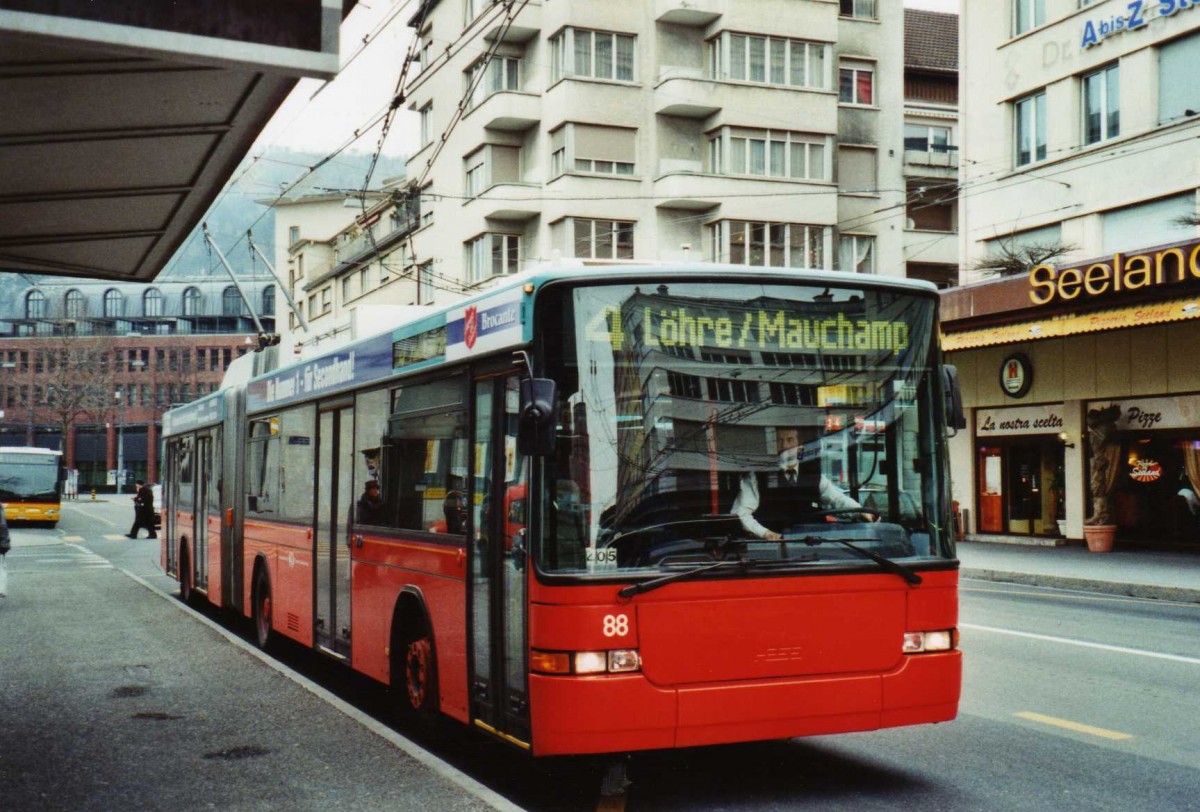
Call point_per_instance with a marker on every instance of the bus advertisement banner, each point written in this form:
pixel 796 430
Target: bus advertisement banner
pixel 487 325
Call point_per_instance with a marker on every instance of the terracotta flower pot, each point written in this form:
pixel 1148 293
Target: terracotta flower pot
pixel 1100 537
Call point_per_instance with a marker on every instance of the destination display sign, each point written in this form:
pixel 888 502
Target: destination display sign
pixel 368 361
pixel 768 329
pixel 206 411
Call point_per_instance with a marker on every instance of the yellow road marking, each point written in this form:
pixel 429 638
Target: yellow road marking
pixel 1078 727
pixel 74 538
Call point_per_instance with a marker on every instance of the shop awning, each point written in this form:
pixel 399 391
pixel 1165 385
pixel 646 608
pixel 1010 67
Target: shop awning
pixel 1068 324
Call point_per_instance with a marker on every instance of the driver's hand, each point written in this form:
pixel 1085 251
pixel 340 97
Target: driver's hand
pixel 771 535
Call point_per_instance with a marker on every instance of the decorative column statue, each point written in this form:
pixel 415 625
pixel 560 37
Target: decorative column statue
pixel 1105 457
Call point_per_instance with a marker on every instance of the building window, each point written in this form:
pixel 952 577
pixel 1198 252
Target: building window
pixel 925 138
pixel 1028 14
pixel 1101 105
pixel 1156 222
pixel 576 52
pixel 114 304
pixel 491 255
pixel 475 8
pixel 192 303
pixel 35 305
pixel 856 82
pixel 769 60
pixel 593 149
pixel 152 303
pixel 856 253
pixel 489 165
pixel 268 300
pixel 496 75
pixel 771 153
pixel 858 170
pixel 931 206
pixel 603 239
pixel 326 299
pixel 231 302
pixel 772 245
pixel 76 305
pixel 425 283
pixel 427 124
pixel 293 235
pixel 1178 97
pixel 1031 128
pixel 347 293
pixel 859 9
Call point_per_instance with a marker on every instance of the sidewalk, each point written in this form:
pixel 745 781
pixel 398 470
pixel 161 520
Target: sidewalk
pixel 1142 574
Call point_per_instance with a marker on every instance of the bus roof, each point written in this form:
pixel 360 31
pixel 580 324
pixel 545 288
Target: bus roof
pixel 27 449
pixel 500 321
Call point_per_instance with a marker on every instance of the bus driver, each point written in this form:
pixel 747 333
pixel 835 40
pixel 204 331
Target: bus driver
pixel 782 497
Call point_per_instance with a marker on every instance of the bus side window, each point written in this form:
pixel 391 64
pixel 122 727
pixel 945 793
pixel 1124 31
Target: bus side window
pixel 427 455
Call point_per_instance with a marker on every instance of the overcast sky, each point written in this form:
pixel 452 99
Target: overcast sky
pixel 321 117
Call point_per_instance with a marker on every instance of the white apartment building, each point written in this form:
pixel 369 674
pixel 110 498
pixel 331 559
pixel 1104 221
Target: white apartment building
pixel 764 132
pixel 1079 168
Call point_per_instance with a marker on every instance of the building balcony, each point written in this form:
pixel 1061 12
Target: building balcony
pixel 687 93
pixel 688 12
pixel 525 27
pixel 933 247
pixel 942 161
pixel 681 185
pixel 510 111
pixel 814 21
pixel 510 201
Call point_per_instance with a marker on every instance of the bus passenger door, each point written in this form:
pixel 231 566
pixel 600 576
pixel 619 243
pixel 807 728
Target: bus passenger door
pixel 201 476
pixel 498 549
pixel 335 496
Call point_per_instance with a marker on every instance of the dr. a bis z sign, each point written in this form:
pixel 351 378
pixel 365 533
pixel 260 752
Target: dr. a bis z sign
pixel 1138 14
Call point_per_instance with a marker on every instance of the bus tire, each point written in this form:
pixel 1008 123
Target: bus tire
pixel 263 634
pixel 414 667
pixel 185 576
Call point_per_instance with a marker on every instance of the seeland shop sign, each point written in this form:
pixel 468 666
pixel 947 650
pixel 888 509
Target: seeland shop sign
pixel 1123 273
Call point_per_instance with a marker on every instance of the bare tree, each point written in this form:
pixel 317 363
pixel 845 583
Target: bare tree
pixel 78 380
pixel 1014 258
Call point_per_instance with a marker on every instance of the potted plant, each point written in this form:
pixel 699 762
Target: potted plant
pixel 1098 529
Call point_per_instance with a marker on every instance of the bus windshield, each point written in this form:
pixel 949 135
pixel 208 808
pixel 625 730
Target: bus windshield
pixel 26 477
pixel 772 423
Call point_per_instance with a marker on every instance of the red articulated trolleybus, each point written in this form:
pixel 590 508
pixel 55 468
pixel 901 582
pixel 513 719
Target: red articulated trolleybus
pixel 620 508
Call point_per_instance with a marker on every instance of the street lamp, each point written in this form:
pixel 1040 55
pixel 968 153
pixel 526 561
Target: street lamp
pixel 120 440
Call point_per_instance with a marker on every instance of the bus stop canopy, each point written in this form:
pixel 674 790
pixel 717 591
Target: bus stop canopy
pixel 121 122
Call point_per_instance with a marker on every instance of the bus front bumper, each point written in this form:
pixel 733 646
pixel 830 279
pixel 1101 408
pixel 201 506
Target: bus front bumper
pixel 621 713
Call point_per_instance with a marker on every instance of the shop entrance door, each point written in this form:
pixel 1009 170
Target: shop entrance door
pixel 991 490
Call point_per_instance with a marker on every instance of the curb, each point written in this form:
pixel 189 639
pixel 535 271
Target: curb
pixel 1150 591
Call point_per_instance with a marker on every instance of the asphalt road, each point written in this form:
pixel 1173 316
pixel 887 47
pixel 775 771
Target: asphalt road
pixel 1071 701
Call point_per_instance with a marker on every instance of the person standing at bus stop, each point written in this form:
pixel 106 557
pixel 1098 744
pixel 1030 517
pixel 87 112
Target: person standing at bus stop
pixel 5 546
pixel 143 511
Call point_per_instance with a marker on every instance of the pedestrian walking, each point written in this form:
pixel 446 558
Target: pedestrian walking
pixel 143 511
pixel 5 546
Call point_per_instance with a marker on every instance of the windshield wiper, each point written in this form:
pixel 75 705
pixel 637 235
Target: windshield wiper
pixel 888 564
pixel 646 586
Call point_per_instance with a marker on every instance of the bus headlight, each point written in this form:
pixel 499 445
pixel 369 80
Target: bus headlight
pixel 585 662
pixel 922 642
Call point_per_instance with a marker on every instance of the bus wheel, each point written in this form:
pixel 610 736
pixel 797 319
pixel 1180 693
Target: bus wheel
pixel 262 609
pixel 185 576
pixel 418 669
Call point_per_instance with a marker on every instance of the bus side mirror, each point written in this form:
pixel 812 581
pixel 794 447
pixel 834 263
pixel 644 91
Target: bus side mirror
pixel 535 436
pixel 956 418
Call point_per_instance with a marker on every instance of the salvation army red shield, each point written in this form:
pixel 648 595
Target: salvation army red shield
pixel 470 326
